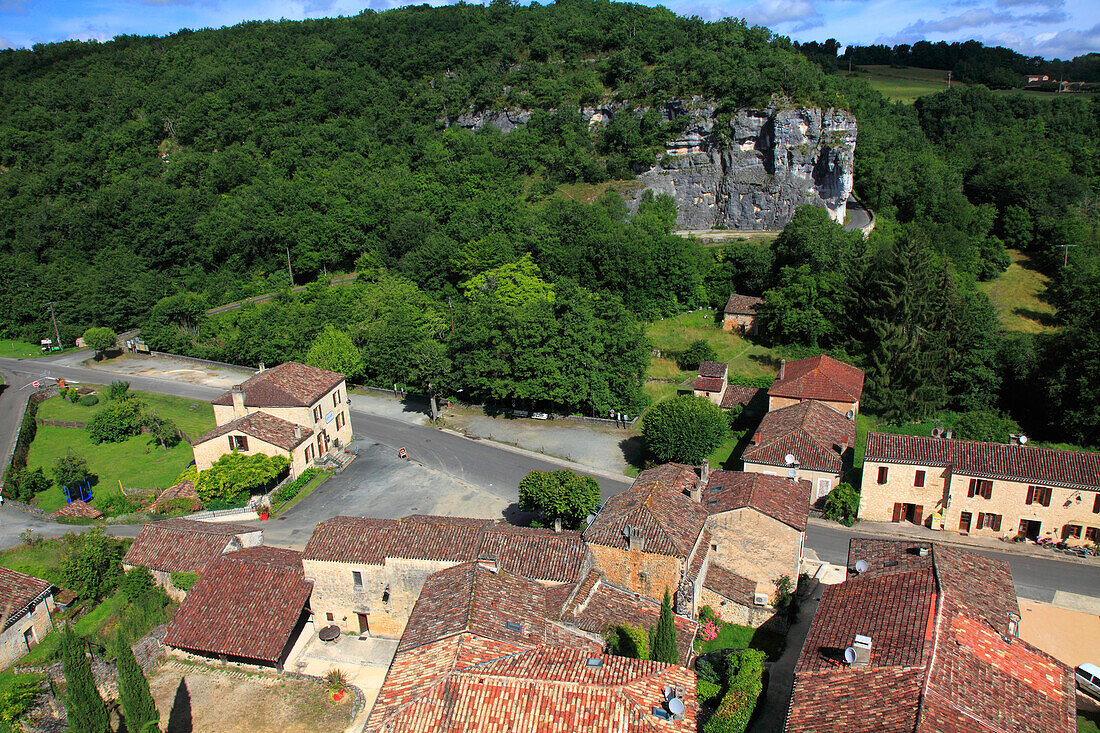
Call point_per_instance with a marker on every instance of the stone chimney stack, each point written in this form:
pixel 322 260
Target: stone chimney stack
pixel 782 367
pixel 696 492
pixel 557 524
pixel 297 432
pixel 238 401
pixel 262 367
pixel 704 470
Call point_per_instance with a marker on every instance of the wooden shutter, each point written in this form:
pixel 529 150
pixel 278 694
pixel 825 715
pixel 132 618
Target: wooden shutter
pixel 918 479
pixel 987 490
pixel 1096 504
pixel 973 487
pixel 981 520
pixel 1030 494
pixel 917 512
pixel 899 509
pixel 883 472
pixel 996 522
pixel 964 522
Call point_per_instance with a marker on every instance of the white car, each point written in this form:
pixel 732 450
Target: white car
pixel 1088 678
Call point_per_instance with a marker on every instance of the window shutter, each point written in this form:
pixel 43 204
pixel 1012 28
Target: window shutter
pixel 1096 504
pixel 1046 496
pixel 996 522
pixel 1030 494
pixel 987 489
pixel 981 520
pixel 973 486
pixel 883 472
pixel 918 479
pixel 898 509
pixel 917 515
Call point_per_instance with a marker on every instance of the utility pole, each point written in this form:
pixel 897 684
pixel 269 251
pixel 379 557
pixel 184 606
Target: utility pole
pixel 948 79
pixel 54 319
pixel 1065 248
pixel 288 269
pixel 452 307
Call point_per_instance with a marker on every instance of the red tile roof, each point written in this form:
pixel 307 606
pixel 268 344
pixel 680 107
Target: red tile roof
pixel 245 605
pixel 656 509
pixel 708 384
pixel 780 498
pixel 745 305
pixel 939 662
pixel 287 385
pixel 819 377
pixel 737 394
pixel 814 433
pixel 991 460
pixel 182 490
pixel 543 690
pixel 183 545
pixel 729 584
pixel 262 426
pixel 78 509
pixel 535 553
pixel 17 592
pixel 715 369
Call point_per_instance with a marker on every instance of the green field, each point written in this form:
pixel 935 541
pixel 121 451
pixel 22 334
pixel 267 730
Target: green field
pixel 1016 294
pixel 904 85
pixel 17 349
pixel 191 416
pixel 675 334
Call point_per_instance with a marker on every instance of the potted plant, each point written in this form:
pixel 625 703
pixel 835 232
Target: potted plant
pixel 336 682
pixel 264 510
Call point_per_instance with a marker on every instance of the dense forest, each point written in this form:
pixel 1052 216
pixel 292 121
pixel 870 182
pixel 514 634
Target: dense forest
pixel 145 180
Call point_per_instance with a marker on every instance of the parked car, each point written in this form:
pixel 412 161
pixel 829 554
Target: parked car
pixel 1088 678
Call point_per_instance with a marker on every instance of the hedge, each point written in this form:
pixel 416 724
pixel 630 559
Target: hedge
pixel 291 490
pixel 746 672
pixel 184 581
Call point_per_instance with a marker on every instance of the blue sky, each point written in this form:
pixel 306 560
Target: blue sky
pixel 1050 28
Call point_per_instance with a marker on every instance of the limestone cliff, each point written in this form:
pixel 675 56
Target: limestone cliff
pixel 755 170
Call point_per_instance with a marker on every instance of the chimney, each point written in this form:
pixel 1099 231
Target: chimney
pixel 557 524
pixel 297 432
pixel 489 562
pixel 238 401
pixel 859 653
pixel 696 492
pixel 262 366
pixel 704 471
pixel 782 367
pixel 947 433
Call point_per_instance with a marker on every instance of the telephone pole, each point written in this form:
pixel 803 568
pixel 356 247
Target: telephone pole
pixel 54 319
pixel 1065 248
pixel 288 266
pixel 948 79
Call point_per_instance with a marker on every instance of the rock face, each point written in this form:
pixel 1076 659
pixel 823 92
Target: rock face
pixel 755 170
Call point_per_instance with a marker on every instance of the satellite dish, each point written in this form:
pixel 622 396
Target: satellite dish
pixel 676 706
pixel 850 655
pixel 850 414
pixel 792 473
pixel 669 693
pixel 590 519
pixel 1023 440
pixel 790 459
pixel 861 566
pixel 937 432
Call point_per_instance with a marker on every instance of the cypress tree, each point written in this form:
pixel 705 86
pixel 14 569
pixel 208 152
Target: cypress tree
pixel 86 709
pixel 138 707
pixel 664 638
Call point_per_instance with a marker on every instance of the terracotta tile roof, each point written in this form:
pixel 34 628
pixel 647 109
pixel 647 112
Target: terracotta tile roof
pixel 819 377
pixel 287 385
pixel 708 384
pixel 737 394
pixel 814 433
pixel 656 509
pixel 543 690
pixel 780 498
pixel 745 305
pixel 598 605
pixel 78 509
pixel 492 604
pixel 715 369
pixel 262 426
pixel 182 490
pixel 939 662
pixel 243 607
pixel 268 555
pixel 992 460
pixel 17 592
pixel 729 584
pixel 183 545
pixel 534 553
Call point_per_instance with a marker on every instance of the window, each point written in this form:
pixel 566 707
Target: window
pixel 883 472
pixel 980 487
pixel 309 453
pixel 918 479
pixel 328 616
pixel 336 398
pixel 714 548
pixel 386 595
pixel 317 414
pixel 1071 532
pixel 1092 534
pixel 1096 504
pixel 238 442
pixel 823 487
pixel 1038 495
pixel 340 421
pixel 513 626
pixel 357 579
pixel 989 521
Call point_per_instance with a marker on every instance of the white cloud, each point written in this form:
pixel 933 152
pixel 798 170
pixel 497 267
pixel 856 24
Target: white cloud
pixel 971 19
pixel 1023 3
pixel 776 12
pixel 5 43
pixel 1064 44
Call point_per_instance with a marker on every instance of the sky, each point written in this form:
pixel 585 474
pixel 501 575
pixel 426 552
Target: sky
pixel 1048 28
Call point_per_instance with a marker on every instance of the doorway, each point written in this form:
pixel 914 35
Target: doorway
pixel 30 638
pixel 964 522
pixel 1030 528
pixel 363 629
pixel 913 513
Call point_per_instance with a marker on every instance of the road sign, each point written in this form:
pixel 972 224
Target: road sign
pixel 403 453
pixel 37 384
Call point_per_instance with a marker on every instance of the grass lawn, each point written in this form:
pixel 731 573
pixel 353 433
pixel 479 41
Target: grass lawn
pixel 732 636
pixel 138 462
pixel 659 391
pixel 17 349
pixel 305 491
pixel 1016 293
pixel 193 417
pixel 904 85
pixel 722 453
pixel 1088 722
pixel 678 332
pixel 42 561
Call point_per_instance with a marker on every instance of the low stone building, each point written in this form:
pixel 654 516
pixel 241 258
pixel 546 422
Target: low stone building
pixel 922 637
pixel 995 489
pixel 819 439
pixel 293 410
pixel 26 607
pixel 742 314
pixel 711 381
pixel 186 546
pixel 821 378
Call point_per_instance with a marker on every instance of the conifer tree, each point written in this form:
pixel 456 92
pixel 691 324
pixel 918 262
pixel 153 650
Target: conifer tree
pixel 664 638
pixel 138 707
pixel 86 709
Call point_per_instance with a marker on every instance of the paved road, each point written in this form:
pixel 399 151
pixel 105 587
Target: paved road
pixel 858 215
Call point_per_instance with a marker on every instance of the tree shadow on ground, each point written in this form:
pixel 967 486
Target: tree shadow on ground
pixel 516 516
pixel 766 360
pixel 1043 319
pixel 633 449
pixel 179 719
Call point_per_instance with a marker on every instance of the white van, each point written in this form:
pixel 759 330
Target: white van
pixel 1088 678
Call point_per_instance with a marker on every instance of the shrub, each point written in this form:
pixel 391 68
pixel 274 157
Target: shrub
pixel 184 581
pixel 117 422
pixel 91 566
pixel 22 485
pixel 745 671
pixel 118 390
pixel 684 429
pixel 116 505
pixel 705 690
pixel 288 492
pixel 234 476
pixel 16 700
pixel 626 640
pixel 986 426
pixel 136 583
pixel 89 400
pixel 698 352
pixel 842 504
pixel 70 469
pixel 704 670
pixel 175 506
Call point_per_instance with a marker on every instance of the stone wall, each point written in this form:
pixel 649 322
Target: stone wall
pixel 13 641
pixel 774 403
pixel 736 613
pixel 645 573
pixel 740 323
pixel 821 482
pixel 755 546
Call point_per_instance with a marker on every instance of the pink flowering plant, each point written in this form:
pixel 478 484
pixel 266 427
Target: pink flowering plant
pixel 710 630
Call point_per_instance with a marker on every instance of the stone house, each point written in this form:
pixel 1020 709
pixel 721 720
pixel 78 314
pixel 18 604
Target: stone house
pixel 742 314
pixel 819 439
pixel 821 378
pixel 26 605
pixel 293 410
pixel 711 381
pixel 994 489
pixel 249 606
pixel 186 546
pixel 367 574
pixel 923 638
